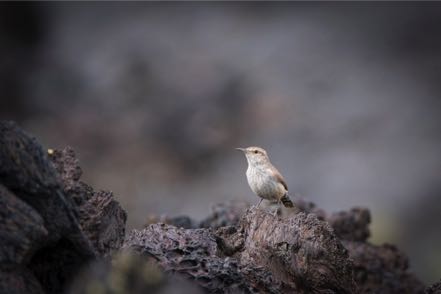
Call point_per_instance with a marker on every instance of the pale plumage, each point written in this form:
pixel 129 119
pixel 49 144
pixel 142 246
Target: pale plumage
pixel 264 179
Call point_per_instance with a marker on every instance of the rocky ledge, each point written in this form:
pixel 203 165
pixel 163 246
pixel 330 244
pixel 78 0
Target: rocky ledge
pixel 58 235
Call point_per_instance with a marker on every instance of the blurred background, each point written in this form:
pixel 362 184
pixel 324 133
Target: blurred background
pixel 155 96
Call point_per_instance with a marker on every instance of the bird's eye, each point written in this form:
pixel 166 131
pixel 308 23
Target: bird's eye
pixel 255 151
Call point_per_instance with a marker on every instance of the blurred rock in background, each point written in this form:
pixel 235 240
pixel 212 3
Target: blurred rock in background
pixel 155 96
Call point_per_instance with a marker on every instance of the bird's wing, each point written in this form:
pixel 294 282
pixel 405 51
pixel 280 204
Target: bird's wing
pixel 279 178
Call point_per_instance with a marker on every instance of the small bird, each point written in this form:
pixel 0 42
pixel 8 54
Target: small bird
pixel 264 179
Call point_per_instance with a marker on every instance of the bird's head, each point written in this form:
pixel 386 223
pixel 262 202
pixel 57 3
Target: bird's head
pixel 255 155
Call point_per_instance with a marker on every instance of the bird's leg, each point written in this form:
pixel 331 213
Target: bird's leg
pixel 261 199
pixel 277 209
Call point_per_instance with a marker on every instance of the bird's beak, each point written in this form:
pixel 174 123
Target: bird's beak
pixel 241 149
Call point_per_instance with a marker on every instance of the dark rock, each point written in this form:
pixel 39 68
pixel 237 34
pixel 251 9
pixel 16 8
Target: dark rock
pixel 53 227
pixel 177 221
pixel 229 240
pixel 45 217
pixel 434 289
pixel 300 254
pixel 67 166
pixel 224 214
pixel 301 251
pixel 21 227
pixel 56 264
pixel 193 253
pixel 351 225
pixel 308 207
pixel 17 279
pixel 381 269
pixel 103 221
pixel 27 172
pixel 101 217
pixel 51 224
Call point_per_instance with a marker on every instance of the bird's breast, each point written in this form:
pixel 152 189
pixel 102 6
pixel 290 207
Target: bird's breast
pixel 263 184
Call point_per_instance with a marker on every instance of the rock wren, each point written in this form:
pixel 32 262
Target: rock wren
pixel 264 179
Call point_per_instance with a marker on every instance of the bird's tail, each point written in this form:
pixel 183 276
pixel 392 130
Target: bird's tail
pixel 286 201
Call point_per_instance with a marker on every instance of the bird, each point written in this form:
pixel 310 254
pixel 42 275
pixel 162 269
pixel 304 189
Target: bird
pixel 263 178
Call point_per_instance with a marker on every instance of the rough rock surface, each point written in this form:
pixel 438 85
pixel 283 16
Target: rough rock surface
pixel 57 231
pixel 435 288
pixel 21 227
pixel 47 235
pixel 381 269
pixel 306 252
pixel 351 225
pixel 224 214
pixel 101 217
pixel 300 254
pixel 301 250
pixel 27 172
pixel 194 253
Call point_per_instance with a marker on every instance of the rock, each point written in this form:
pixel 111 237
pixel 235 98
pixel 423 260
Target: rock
pixel 194 254
pixel 301 251
pixel 57 231
pixel 21 227
pixel 26 171
pixel 51 224
pixel 299 254
pixel 102 219
pixel 434 289
pixel 177 221
pixel 351 225
pixel 381 269
pixel 17 279
pixel 224 214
